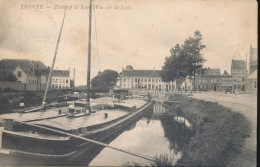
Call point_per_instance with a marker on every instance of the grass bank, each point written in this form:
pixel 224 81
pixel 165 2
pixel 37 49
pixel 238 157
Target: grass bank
pixel 218 132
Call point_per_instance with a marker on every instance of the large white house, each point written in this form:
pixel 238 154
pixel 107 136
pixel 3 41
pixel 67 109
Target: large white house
pixel 145 80
pixel 60 79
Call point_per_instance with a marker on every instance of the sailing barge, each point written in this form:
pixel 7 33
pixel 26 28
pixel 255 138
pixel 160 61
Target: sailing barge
pixel 25 142
pixel 53 136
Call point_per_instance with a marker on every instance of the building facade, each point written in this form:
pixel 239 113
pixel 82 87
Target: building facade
pixel 251 83
pixel 144 80
pixel 210 79
pixel 253 60
pixel 60 79
pixel 239 75
pixel 28 72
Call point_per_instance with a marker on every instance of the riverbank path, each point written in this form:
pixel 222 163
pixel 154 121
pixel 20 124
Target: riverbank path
pixel 245 104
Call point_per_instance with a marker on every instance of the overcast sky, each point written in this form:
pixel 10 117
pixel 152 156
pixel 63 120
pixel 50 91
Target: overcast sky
pixel 139 32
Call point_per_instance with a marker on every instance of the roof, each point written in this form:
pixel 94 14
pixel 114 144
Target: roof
pixel 25 64
pixel 211 72
pixel 238 64
pixel 253 75
pixel 141 73
pixel 60 73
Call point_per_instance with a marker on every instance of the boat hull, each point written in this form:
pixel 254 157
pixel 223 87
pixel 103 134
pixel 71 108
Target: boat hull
pixel 68 152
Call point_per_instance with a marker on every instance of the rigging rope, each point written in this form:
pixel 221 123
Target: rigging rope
pixel 97 46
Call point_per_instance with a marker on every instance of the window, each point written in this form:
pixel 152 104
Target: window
pixel 63 80
pixel 19 73
pixel 135 79
pixel 149 80
pixel 124 80
pixel 67 81
pixel 152 80
pixel 255 84
pixel 145 80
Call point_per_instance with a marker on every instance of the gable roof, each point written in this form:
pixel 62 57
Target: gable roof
pixel 60 73
pixel 238 64
pixel 141 73
pixel 25 64
pixel 253 75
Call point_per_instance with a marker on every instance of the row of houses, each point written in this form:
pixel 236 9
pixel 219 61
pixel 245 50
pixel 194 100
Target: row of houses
pixel 32 75
pixel 240 79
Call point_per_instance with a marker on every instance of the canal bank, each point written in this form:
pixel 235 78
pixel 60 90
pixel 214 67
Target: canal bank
pixel 219 132
pixel 245 104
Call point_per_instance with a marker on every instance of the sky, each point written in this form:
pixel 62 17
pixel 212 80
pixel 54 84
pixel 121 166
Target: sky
pixel 126 32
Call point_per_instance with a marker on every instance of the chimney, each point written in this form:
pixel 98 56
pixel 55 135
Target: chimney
pixel 74 75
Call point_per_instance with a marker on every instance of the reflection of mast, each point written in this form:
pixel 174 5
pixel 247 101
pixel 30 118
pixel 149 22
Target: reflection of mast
pixel 89 52
pixel 53 61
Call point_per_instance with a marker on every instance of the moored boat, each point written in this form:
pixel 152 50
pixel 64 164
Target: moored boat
pixel 25 142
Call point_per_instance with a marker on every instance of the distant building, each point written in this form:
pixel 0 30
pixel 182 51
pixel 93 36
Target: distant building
pixel 253 60
pixel 239 75
pixel 29 72
pixel 145 80
pixel 251 82
pixel 210 80
pixel 226 82
pixel 60 79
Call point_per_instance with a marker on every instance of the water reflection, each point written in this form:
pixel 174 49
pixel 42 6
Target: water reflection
pixel 158 132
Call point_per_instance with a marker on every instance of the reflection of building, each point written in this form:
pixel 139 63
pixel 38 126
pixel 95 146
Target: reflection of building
pixel 251 82
pixel 144 79
pixel 239 74
pixel 31 73
pixel 252 60
pixel 60 79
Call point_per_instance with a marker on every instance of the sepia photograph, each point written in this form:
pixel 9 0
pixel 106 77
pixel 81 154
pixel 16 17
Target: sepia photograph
pixel 128 83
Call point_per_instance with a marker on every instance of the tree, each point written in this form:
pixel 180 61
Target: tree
pixel 105 80
pixel 129 67
pixel 185 60
pixel 192 50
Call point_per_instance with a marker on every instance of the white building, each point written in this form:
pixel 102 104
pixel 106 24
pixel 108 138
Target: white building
pixel 60 79
pixel 145 80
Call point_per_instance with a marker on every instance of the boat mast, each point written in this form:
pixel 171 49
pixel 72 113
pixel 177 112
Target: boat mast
pixel 53 62
pixel 89 51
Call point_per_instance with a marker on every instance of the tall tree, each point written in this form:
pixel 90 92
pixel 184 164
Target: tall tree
pixel 105 80
pixel 185 60
pixel 192 50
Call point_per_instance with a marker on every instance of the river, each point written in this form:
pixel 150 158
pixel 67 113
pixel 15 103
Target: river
pixel 154 134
